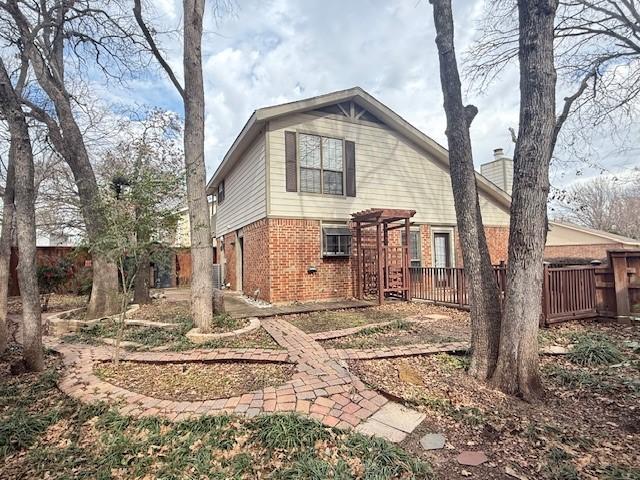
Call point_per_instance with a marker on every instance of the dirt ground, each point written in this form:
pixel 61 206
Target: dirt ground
pixel 391 311
pixel 587 426
pixel 54 303
pixel 406 333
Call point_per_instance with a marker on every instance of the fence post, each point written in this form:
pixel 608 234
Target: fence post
pixel 621 283
pixel 544 318
pixel 459 289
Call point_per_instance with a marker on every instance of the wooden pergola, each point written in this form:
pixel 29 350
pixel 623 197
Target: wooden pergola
pixel 382 269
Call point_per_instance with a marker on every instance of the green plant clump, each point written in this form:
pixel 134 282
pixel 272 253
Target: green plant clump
pixel 594 349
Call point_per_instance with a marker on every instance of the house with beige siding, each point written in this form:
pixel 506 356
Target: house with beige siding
pixel 286 189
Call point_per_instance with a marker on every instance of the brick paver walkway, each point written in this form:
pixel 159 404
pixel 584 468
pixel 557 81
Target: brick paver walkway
pixel 322 387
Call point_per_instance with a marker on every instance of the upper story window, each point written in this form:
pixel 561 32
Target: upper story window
pixel 321 164
pixel 221 192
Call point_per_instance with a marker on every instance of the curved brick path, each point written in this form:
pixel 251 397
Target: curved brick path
pixel 322 387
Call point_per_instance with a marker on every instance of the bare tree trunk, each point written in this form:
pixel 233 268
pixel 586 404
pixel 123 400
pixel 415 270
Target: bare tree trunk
pixel 517 370
pixel 199 217
pixel 70 143
pixel 6 240
pixel 25 223
pixel 484 297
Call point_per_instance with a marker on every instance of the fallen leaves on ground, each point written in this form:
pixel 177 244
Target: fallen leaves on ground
pixel 195 381
pixel 587 426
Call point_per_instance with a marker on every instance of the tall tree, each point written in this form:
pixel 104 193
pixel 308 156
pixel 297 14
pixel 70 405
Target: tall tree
pixel 193 98
pixel 11 108
pixel 43 33
pixel 483 290
pixel 6 241
pixel 517 369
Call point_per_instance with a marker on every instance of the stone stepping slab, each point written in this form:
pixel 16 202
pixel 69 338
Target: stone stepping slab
pixel 471 458
pixel 393 422
pixel 432 441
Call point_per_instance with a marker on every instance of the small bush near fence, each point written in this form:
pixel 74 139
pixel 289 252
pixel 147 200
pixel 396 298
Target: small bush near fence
pixel 593 349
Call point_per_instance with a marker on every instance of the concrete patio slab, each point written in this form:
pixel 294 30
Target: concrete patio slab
pixel 399 417
pixel 378 429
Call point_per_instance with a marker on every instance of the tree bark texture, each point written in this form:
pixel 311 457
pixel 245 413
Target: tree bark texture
pixel 199 216
pixel 33 354
pixel 104 298
pixel 6 241
pixel 517 369
pixel 484 297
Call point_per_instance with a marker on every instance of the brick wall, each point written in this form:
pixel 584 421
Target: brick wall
pixel 256 259
pixel 294 246
pixel 592 252
pixel 425 245
pixel 497 242
pixel 279 252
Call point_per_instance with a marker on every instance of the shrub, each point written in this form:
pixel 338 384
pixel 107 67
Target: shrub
pixel 594 349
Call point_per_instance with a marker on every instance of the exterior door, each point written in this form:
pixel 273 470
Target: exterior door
pixel 441 250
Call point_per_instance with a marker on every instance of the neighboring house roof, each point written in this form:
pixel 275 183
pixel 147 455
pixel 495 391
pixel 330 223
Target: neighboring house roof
pixel 261 116
pixel 603 237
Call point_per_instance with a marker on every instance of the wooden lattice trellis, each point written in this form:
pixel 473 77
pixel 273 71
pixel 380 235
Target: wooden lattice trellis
pixel 382 269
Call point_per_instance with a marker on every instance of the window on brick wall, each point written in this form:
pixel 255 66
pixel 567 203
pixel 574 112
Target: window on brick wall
pixel 415 256
pixel 336 241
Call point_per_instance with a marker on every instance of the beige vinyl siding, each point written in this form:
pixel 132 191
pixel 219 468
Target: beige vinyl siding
pixel 559 235
pixel 390 172
pixel 245 191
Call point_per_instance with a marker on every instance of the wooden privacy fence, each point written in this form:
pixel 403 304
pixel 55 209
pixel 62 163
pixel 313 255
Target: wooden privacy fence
pixel 568 292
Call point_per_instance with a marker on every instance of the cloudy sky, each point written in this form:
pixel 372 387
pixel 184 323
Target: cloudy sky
pixel 274 51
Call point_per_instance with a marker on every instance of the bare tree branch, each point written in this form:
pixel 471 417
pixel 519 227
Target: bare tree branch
pixel 137 12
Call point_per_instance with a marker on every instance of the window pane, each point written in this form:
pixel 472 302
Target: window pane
pixel 309 180
pixel 414 247
pixel 345 244
pixel 332 182
pixel 309 151
pixel 332 154
pixel 331 245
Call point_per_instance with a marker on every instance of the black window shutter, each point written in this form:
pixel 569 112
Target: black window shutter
pixel 350 160
pixel 291 166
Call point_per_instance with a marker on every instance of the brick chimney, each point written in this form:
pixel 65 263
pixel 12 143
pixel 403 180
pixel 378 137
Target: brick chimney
pixel 499 171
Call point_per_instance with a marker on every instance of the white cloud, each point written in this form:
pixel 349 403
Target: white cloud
pixel 273 51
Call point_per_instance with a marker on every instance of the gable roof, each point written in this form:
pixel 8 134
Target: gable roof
pixel 598 233
pixel 260 117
